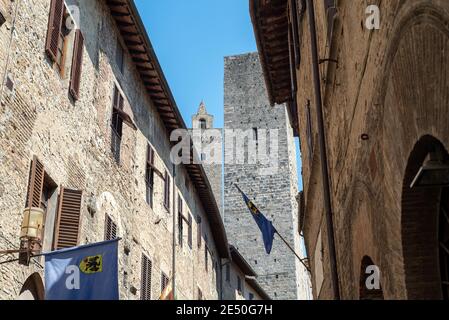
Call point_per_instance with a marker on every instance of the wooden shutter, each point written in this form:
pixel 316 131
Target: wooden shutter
pixel 55 21
pixel 110 229
pixel 77 65
pixel 35 184
pixel 145 288
pixel 167 191
pixel 68 223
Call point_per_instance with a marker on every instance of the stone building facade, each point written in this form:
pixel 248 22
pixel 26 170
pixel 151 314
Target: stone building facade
pixel 385 108
pixel 272 185
pixel 64 133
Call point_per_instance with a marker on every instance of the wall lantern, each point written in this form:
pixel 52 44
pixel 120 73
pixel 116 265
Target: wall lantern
pixel 433 173
pixel 31 234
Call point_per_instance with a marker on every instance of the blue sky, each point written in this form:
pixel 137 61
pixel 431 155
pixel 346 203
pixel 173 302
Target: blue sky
pixel 191 39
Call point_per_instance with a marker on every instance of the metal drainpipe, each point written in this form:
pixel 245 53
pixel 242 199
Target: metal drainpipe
pixel 323 152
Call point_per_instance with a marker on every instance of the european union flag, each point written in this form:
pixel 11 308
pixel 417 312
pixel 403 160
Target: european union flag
pixel 87 272
pixel 265 225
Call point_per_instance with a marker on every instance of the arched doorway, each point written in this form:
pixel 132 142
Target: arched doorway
pixel 425 222
pixel 366 292
pixel 33 288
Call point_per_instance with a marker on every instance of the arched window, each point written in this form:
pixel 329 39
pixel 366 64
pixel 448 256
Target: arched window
pixel 370 287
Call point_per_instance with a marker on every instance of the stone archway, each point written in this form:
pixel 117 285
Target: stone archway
pixel 33 288
pixel 424 229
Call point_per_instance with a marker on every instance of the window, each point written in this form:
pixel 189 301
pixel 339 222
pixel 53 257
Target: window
pixel 149 176
pixel 309 132
pixel 200 294
pixel 164 282
pixel 110 229
pixel 167 191
pixel 239 285
pixel 180 221
pixel 117 124
pixel 251 296
pixel 228 272
pixel 2 19
pixel 199 235
pixel 255 134
pixel 68 220
pixel 145 288
pixel 206 258
pixel 120 56
pixel 203 124
pixel 189 236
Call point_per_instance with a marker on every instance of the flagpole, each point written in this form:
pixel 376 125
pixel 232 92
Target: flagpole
pixel 282 238
pixel 290 247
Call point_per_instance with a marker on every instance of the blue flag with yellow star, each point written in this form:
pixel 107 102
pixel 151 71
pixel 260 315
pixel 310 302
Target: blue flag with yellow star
pixel 265 225
pixel 87 272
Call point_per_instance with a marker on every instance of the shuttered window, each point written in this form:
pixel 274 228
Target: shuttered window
pixel 199 235
pixel 180 221
pixel 35 184
pixel 117 124
pixel 164 281
pixel 55 22
pixel 149 176
pixel 189 236
pixel 68 222
pixel 110 229
pixel 309 132
pixel 77 65
pixel 167 191
pixel 145 288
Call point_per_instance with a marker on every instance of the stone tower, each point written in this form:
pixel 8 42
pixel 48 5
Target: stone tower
pixel 246 107
pixel 214 171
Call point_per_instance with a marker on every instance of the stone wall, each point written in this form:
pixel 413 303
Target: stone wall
pixel 72 139
pixel 247 107
pixel 390 85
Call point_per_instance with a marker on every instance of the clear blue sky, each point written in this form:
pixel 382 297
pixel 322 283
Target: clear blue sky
pixel 191 39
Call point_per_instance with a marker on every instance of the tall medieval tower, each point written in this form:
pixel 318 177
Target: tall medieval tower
pixel 246 108
pixel 214 171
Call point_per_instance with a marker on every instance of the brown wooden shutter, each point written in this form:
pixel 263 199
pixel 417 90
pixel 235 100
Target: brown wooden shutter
pixel 110 229
pixel 55 21
pixel 145 283
pixel 35 184
pixel 77 65
pixel 68 223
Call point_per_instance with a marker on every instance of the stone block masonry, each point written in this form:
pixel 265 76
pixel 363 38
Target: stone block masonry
pixel 246 107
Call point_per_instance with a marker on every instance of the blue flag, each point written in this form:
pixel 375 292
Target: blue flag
pixel 87 272
pixel 265 225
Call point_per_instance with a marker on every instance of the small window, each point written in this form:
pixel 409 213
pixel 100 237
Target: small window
pixel 309 131
pixel 255 134
pixel 145 289
pixel 120 56
pixel 180 221
pixel 203 124
pixel 149 176
pixel 199 234
pixel 164 282
pixel 2 19
pixel 117 124
pixel 110 229
pixel 190 233
pixel 167 191
pixel 239 285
